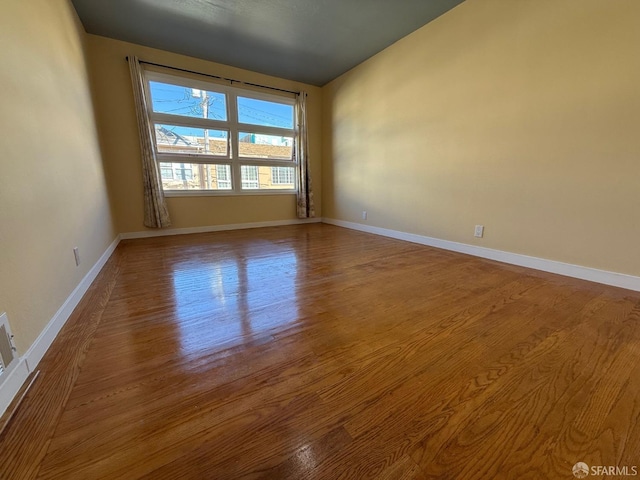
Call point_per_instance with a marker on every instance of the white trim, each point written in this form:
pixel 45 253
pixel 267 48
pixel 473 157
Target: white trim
pixel 215 228
pixel 29 361
pixel 193 158
pixel 227 193
pixel 576 271
pixel 48 335
pixel 173 120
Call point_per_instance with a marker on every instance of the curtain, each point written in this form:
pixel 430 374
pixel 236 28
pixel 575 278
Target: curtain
pixel 306 207
pixel 156 214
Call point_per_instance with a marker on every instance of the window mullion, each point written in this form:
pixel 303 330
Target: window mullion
pixel 197 159
pixel 181 121
pixel 277 131
pixel 236 175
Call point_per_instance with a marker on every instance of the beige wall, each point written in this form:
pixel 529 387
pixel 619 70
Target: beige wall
pixel 521 115
pixel 121 150
pixel 52 190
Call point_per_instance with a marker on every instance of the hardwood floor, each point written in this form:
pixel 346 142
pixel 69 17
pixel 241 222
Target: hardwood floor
pixel 315 352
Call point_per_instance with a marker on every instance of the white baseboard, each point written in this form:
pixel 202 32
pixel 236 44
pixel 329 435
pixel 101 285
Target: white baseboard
pixel 576 271
pixel 29 361
pixel 215 228
pixel 48 335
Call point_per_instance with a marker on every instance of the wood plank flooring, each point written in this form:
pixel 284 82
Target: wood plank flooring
pixel 315 352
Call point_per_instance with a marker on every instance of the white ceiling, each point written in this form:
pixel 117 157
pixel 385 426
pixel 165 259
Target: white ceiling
pixel 311 41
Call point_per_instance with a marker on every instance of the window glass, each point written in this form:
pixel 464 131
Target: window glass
pixel 187 101
pixel 263 177
pixel 267 114
pixel 194 176
pixel 191 140
pixel 257 145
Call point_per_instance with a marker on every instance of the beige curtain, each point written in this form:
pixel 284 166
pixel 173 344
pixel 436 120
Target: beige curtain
pixel 306 207
pixel 156 214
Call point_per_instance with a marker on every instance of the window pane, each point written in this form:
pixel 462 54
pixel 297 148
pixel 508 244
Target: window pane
pixel 267 178
pixel 191 140
pixel 258 145
pixel 187 101
pixel 193 176
pixel 261 112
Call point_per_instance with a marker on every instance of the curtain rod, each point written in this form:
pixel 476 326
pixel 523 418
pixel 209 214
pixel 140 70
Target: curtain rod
pixel 216 76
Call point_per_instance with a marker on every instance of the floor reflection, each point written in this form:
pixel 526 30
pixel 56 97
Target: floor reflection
pixel 222 302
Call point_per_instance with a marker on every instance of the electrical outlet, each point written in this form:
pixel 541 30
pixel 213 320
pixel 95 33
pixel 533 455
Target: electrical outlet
pixel 479 231
pixel 76 254
pixel 364 214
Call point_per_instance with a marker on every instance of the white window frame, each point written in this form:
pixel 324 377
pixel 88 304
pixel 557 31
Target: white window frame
pixel 232 125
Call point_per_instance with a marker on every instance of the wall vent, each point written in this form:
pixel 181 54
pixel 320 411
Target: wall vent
pixel 8 357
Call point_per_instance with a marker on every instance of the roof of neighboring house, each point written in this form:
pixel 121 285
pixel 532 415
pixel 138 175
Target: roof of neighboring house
pixel 219 147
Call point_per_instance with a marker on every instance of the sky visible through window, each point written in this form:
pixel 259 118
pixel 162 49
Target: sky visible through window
pixel 194 103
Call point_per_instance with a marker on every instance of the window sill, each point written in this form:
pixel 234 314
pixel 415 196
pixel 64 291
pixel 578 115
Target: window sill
pixel 223 193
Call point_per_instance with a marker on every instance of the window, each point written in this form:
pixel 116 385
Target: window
pixel 223 177
pixel 282 175
pixel 166 172
pixel 249 177
pixel 211 137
